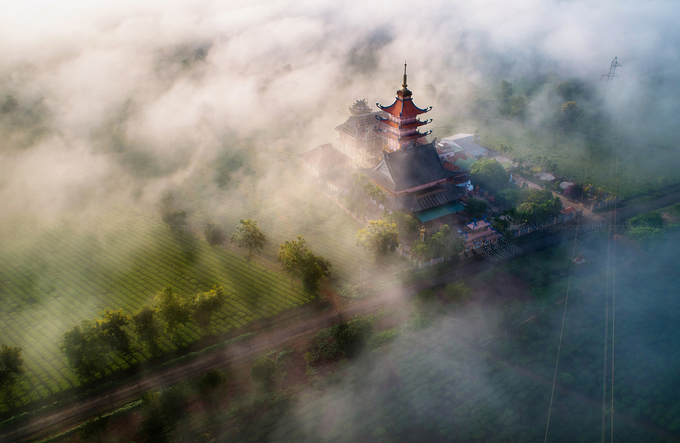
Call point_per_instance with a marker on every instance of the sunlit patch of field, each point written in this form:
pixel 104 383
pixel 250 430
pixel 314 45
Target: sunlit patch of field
pixel 52 279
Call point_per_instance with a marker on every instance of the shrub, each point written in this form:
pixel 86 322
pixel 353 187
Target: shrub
pixel 263 372
pixel 212 380
pixel 457 292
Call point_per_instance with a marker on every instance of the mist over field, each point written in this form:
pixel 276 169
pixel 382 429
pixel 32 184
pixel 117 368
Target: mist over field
pixel 102 100
pixel 110 110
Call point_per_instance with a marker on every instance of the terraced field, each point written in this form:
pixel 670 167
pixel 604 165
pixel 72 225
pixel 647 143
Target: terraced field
pixel 52 277
pixel 51 280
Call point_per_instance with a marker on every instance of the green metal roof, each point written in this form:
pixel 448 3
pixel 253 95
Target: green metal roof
pixel 439 211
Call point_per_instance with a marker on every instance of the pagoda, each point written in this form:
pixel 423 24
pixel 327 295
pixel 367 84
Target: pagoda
pixel 399 128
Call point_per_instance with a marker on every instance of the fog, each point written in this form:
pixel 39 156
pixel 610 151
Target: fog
pixel 101 88
pixel 105 105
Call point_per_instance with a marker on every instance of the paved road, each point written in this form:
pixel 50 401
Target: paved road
pixel 73 414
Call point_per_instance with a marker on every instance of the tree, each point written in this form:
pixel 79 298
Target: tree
pixel 300 263
pixel 518 107
pixel 507 197
pixel 537 206
pixel 489 174
pixel 504 96
pixel 377 237
pixel 85 350
pixel 446 244
pixel 10 369
pixel 574 191
pixel 502 225
pixel 112 331
pixel 374 192
pixel 173 308
pixel 404 222
pixel 249 236
pixel 204 304
pixel 176 220
pixel 351 337
pixel 214 235
pixel 443 243
pixel 146 327
pixel 647 220
pixel 570 89
pixel 568 114
pixel 457 292
pixel 476 207
pixel 263 372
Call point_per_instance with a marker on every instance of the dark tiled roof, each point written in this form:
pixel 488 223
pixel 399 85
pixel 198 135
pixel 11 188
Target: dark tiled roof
pixel 429 198
pixel 408 168
pixel 324 156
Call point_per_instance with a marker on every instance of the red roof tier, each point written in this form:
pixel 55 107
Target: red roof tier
pixel 403 108
pixel 414 124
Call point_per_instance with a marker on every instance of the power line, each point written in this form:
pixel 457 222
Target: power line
pixel 613 171
pixel 611 75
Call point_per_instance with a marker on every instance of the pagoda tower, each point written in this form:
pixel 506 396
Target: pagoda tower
pixel 399 128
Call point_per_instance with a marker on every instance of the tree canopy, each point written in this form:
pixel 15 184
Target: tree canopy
pixel 476 207
pixel 113 332
pixel 537 206
pixel 443 243
pixel 205 304
pixel 249 236
pixel 10 367
pixel 173 308
pixel 300 263
pixel 85 350
pixel 570 89
pixel 263 371
pixel 214 235
pixel 378 237
pixel 568 114
pixel 404 222
pixel 489 174
pixel 146 327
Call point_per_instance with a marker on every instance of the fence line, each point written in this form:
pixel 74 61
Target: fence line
pixel 526 229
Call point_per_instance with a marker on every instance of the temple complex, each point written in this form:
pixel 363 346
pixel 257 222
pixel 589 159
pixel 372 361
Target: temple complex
pixel 387 147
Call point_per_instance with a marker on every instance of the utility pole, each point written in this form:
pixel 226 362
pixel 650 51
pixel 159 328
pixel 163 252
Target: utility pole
pixel 612 73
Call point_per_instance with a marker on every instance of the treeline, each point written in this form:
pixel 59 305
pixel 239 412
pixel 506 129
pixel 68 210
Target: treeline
pixel 563 98
pixel 92 346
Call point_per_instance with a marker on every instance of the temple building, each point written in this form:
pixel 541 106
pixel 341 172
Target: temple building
pixel 411 172
pixel 358 138
pixel 479 234
pixel 415 181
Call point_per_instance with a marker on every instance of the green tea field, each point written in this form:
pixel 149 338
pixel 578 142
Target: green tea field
pixel 51 280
